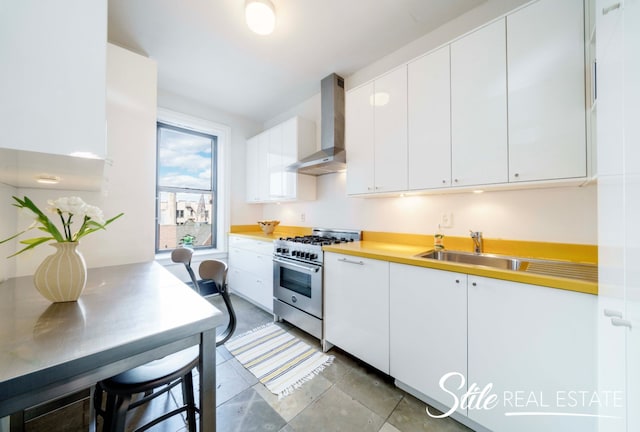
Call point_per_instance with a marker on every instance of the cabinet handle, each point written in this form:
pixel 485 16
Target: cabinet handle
pixel 611 8
pixel 344 260
pixel 612 313
pixel 378 187
pixel 474 284
pixel 457 280
pixel 516 175
pixel 455 180
pixel 621 322
pixel 444 182
pixel 369 188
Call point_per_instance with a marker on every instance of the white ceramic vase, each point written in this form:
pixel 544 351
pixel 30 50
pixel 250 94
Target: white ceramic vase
pixel 62 276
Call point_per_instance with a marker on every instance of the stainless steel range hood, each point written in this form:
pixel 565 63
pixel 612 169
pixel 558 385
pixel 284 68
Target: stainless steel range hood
pixel 332 157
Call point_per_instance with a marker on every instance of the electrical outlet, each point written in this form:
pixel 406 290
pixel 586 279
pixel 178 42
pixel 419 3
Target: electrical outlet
pixel 303 217
pixel 446 220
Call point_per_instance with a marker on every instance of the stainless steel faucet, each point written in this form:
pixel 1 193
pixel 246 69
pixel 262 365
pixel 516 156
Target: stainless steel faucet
pixel 476 236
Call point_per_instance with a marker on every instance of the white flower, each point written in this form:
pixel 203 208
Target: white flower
pixel 94 213
pixel 72 205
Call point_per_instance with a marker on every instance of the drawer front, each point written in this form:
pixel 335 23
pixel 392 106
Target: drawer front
pixel 257 289
pixel 263 247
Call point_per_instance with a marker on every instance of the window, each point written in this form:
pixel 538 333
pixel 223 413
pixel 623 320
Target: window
pixel 186 198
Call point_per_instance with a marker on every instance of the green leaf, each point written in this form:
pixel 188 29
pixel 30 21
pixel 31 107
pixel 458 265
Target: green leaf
pixel 32 245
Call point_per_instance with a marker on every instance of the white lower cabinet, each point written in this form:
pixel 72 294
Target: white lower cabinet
pixel 536 347
pixel 527 353
pixel 251 270
pixel 356 307
pixel 428 321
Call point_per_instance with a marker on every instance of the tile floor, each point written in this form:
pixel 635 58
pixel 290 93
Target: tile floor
pixel 346 396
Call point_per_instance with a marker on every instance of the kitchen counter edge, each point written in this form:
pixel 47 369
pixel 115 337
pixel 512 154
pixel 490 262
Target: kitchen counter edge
pixel 405 254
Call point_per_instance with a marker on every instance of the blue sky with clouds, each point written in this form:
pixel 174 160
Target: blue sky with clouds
pixel 184 159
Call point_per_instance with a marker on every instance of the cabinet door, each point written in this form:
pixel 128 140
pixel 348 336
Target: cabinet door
pixel 290 139
pixel 253 191
pixel 546 91
pixel 356 307
pixel 53 76
pixel 428 320
pixel 390 131
pixel 429 121
pixel 275 163
pixel 529 343
pixel 479 107
pixel 263 166
pixel 359 139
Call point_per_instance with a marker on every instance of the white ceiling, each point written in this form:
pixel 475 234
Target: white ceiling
pixel 205 51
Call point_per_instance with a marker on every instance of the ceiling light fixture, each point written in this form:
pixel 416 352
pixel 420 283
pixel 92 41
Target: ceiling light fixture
pixel 260 16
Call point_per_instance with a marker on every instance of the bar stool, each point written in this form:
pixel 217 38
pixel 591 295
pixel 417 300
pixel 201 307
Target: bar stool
pixel 158 377
pixel 153 379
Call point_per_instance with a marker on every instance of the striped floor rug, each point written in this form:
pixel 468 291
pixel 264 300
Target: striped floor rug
pixel 278 359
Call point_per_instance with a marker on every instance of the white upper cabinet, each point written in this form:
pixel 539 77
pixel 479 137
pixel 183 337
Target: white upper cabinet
pixel 275 165
pixel 53 76
pixel 269 156
pixel 359 139
pixel 390 131
pixel 429 121
pixel 376 135
pixel 545 55
pixel 298 141
pixel 479 107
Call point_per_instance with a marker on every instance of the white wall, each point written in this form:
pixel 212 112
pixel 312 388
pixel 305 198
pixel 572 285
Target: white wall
pixel 564 215
pixel 556 215
pixel 241 129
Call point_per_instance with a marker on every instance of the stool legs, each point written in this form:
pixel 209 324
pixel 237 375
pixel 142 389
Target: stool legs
pixel 117 405
pixel 189 401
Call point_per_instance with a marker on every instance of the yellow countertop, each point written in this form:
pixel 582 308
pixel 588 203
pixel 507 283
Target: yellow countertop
pixel 405 254
pixel 402 248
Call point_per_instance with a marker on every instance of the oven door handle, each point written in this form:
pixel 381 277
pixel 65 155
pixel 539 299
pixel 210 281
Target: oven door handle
pixel 299 266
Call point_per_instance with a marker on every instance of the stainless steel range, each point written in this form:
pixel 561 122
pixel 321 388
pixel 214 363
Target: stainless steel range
pixel 297 277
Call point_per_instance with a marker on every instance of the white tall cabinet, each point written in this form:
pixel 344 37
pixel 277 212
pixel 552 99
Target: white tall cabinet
pixel 429 121
pixel 546 91
pixel 618 149
pixel 479 107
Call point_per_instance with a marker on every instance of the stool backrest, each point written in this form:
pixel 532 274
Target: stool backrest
pixel 214 270
pixel 183 255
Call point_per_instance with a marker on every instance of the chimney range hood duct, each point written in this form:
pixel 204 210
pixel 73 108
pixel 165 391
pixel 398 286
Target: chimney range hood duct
pixel 332 157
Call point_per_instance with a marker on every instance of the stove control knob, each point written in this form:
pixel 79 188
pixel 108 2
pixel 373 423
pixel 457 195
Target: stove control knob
pixel 306 255
pixel 313 256
pixel 279 250
pixel 285 251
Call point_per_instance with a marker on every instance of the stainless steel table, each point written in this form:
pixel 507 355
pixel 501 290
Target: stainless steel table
pixel 127 315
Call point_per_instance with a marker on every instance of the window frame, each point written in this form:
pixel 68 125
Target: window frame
pixel 223 208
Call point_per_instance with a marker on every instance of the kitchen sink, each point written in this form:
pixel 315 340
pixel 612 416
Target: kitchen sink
pixel 564 269
pixel 489 260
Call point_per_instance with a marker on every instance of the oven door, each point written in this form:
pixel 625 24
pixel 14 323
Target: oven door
pixel 298 284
